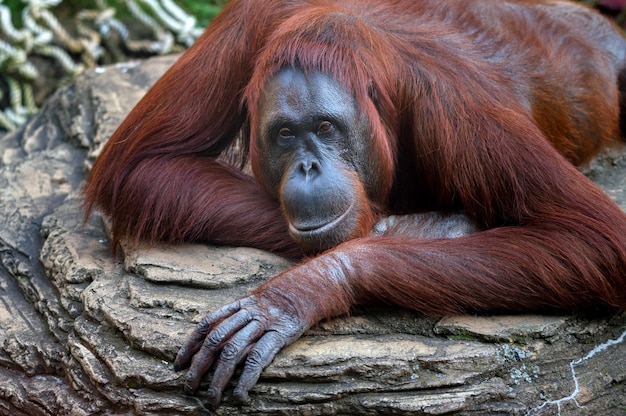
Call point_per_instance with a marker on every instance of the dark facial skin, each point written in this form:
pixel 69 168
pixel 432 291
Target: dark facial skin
pixel 316 151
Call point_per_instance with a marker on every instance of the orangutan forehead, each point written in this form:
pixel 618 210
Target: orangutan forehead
pixel 292 90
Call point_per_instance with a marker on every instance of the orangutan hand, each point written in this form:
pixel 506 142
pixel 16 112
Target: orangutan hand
pixel 251 327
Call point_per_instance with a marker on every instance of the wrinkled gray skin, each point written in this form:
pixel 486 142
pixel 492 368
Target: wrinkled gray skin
pixel 317 158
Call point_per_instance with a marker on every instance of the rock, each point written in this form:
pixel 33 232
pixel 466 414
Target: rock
pixel 202 266
pixel 84 333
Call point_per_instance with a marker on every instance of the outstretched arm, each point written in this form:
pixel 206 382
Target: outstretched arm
pixel 199 198
pixel 566 258
pixel 193 113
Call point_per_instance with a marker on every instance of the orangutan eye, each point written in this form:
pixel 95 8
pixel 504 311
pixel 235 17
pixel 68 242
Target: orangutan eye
pixel 285 137
pixel 285 133
pixel 325 127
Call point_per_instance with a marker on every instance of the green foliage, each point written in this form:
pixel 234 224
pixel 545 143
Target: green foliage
pixel 203 10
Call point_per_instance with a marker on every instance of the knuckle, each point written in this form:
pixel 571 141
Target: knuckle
pixel 214 338
pixel 264 320
pixel 249 315
pixel 230 352
pixel 247 302
pixel 204 326
pixel 255 359
pixel 190 377
pixel 260 315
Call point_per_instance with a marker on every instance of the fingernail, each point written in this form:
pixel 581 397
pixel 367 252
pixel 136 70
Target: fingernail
pixel 187 390
pixel 215 396
pixel 240 396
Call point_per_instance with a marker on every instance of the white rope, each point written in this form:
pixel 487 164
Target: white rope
pixel 100 38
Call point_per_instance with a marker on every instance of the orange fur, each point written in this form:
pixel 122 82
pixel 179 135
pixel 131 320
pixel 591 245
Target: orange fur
pixel 474 105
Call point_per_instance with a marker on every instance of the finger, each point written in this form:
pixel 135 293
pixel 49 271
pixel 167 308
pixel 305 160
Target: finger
pixel 232 354
pixel 212 343
pixel 204 327
pixel 259 357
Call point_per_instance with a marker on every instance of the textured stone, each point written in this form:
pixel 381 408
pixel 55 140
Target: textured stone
pixel 202 266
